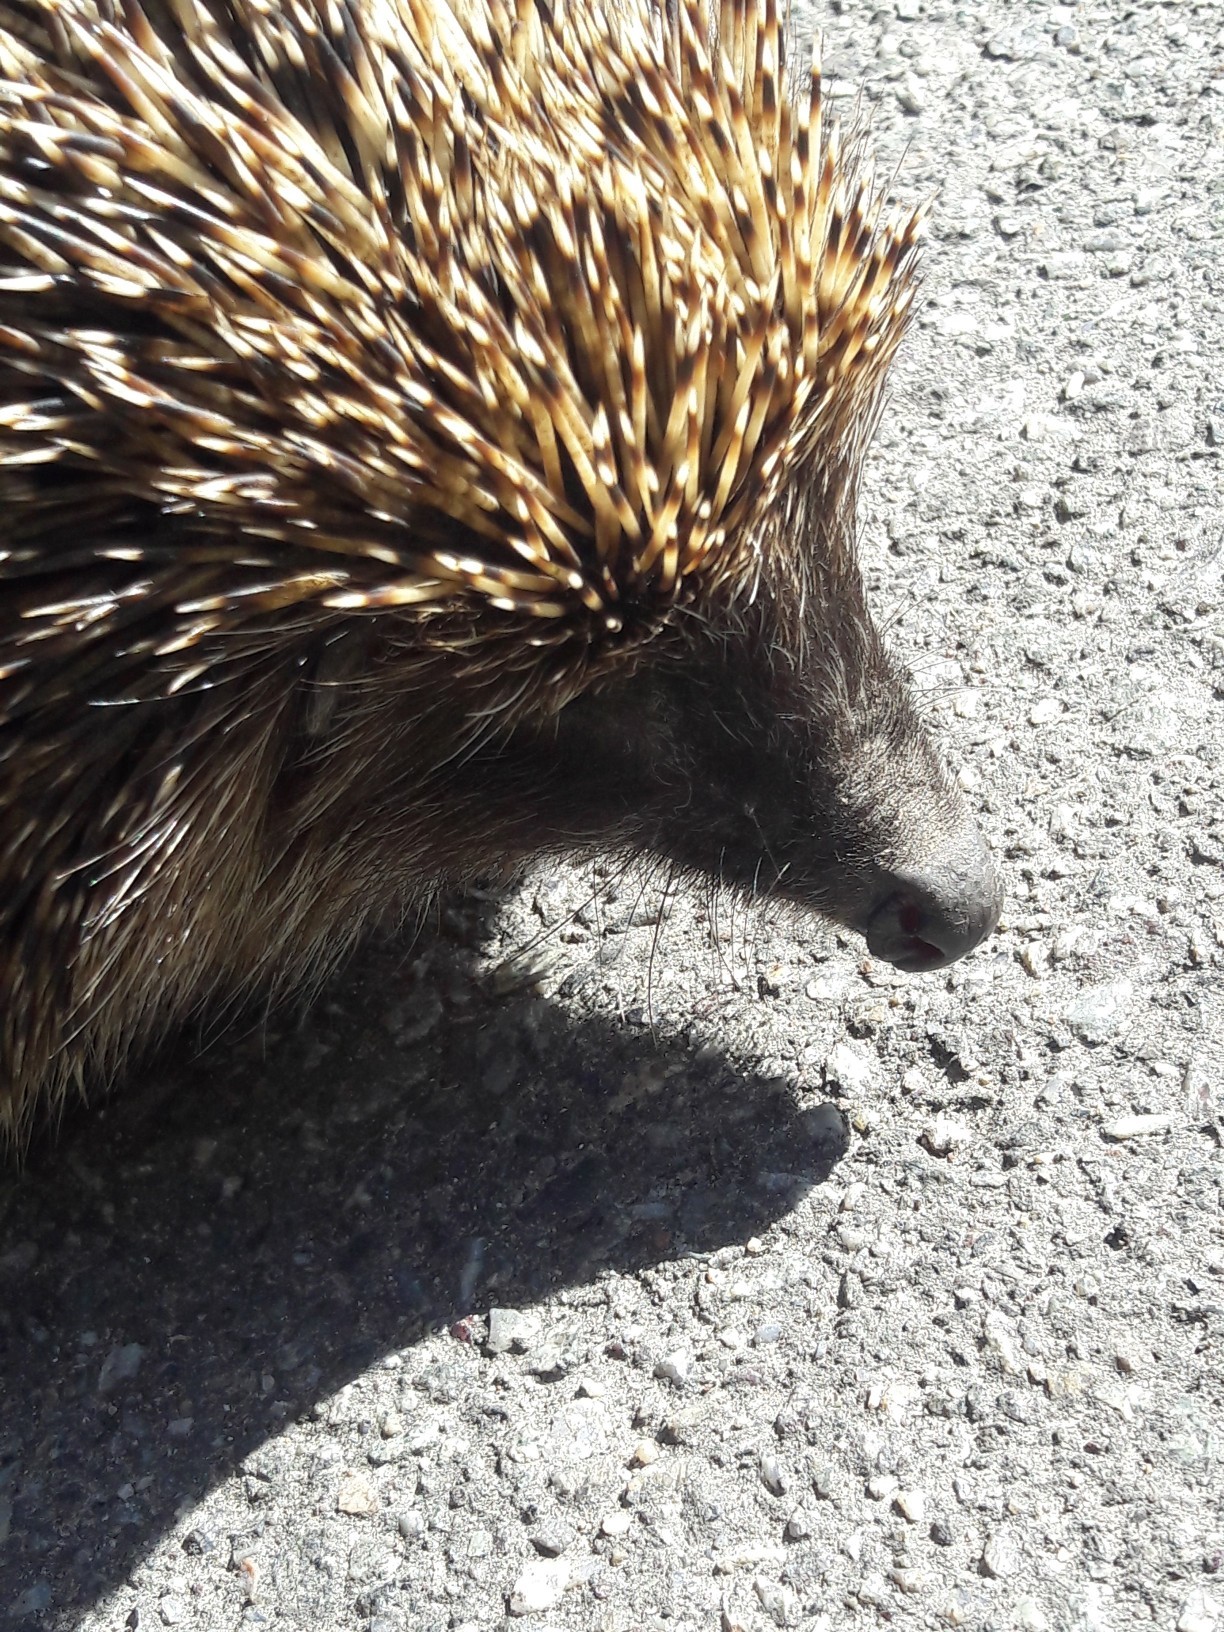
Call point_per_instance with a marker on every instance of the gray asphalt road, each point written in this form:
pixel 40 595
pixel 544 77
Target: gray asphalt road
pixel 666 1266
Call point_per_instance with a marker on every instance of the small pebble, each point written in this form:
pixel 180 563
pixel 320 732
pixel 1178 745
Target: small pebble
pixel 546 1360
pixel 411 1525
pixel 616 1524
pixel 911 1504
pixel 873 1589
pixel 540 1586
pixel 824 1482
pixel 247 1568
pixel 1096 1014
pixel 510 1328
pixel 849 1066
pixel 1034 959
pixel 942 1136
pixel 1069 266
pixel 120 1366
pixel 1135 1127
pixel 999 1557
pixel 780 1602
pixel 957 323
pixel 645 1452
pixel 744 1556
pixel 1002 1344
pixel 675 1367
pixel 356 1496
pixel 552 1541
pixel 825 1125
pixel 910 98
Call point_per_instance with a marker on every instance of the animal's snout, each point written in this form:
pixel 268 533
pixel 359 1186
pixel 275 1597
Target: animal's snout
pixel 928 917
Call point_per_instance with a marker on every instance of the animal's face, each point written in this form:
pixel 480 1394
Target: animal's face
pixel 777 751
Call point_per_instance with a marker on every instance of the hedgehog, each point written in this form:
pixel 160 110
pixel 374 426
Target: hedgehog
pixel 430 437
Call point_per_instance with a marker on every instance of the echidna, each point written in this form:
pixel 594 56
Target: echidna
pixel 429 437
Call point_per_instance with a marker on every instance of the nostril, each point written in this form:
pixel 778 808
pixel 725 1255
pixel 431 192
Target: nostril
pixel 909 918
pixel 928 920
pixel 915 936
pixel 895 934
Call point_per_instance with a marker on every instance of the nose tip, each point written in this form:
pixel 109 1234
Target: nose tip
pixel 928 918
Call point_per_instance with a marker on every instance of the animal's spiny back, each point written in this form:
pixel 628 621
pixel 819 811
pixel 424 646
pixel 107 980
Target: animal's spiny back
pixel 536 310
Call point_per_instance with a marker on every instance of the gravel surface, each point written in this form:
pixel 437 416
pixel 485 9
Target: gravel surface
pixel 606 1262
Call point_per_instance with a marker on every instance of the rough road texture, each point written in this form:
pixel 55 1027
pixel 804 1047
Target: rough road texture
pixel 838 1298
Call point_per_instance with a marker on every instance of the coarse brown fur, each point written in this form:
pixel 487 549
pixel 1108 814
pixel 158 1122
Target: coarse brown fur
pixel 426 440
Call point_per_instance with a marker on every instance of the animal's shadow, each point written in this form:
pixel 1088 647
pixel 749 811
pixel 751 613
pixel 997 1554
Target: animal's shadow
pixel 287 1207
